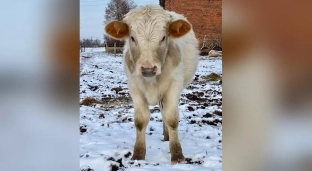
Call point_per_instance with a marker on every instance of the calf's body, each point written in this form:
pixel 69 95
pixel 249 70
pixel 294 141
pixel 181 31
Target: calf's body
pixel 163 44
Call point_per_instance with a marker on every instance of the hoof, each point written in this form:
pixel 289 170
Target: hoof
pixel 139 152
pixel 180 159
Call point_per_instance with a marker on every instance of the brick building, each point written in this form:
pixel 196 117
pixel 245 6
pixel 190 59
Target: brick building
pixel 204 15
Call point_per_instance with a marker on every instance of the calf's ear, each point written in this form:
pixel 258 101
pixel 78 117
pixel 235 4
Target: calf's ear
pixel 179 28
pixel 117 30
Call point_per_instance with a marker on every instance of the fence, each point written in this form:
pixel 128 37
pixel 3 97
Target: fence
pixel 82 48
pixel 114 49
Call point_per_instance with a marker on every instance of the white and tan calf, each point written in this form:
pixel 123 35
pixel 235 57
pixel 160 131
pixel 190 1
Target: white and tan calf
pixel 160 59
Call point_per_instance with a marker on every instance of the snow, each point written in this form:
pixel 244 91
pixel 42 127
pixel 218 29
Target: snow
pixel 111 138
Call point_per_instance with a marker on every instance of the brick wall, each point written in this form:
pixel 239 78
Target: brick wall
pixel 204 15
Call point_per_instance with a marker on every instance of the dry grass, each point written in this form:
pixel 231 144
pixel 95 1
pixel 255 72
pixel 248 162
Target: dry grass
pixel 212 77
pixel 122 100
pixel 214 42
pixel 107 101
pixel 88 101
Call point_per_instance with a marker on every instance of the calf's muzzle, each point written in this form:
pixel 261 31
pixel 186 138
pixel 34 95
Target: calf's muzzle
pixel 149 72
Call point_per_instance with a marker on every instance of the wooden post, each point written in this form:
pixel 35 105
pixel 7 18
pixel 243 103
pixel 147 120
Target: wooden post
pixel 115 49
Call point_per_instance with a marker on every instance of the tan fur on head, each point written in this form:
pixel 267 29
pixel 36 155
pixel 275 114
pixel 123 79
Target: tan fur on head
pixel 117 29
pixel 179 28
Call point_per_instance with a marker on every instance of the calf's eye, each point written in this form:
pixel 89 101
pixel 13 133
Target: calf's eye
pixel 132 39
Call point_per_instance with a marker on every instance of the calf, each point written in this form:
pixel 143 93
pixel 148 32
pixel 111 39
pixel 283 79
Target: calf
pixel 160 59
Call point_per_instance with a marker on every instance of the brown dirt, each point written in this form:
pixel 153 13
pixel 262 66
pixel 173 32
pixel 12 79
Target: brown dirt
pixel 88 101
pixel 212 77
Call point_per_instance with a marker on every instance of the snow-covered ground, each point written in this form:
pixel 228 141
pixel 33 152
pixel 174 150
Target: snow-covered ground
pixel 107 128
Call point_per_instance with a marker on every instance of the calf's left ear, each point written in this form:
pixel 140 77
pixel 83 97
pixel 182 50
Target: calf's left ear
pixel 117 30
pixel 179 28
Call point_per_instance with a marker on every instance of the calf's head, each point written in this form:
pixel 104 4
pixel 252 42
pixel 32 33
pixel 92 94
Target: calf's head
pixel 147 33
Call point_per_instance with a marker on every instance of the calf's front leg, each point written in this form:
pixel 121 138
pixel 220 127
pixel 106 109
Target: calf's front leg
pixel 170 115
pixel 141 119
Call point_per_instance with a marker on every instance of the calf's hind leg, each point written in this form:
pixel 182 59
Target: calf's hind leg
pixel 165 128
pixel 166 133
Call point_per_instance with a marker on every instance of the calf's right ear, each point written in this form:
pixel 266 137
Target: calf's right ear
pixel 117 30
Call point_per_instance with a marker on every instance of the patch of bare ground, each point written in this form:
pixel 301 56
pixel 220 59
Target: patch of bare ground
pixel 88 101
pixel 107 101
pixel 121 99
pixel 212 77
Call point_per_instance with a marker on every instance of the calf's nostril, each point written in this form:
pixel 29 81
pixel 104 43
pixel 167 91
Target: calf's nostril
pixel 155 70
